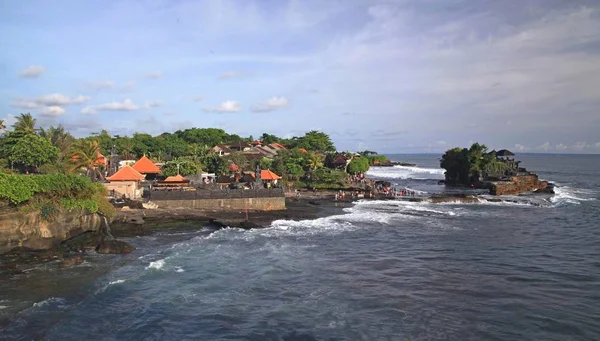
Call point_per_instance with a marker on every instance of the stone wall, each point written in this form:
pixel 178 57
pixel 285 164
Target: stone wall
pixel 31 231
pixel 257 204
pixel 518 185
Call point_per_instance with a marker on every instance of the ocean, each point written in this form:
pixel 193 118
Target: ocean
pixel 526 268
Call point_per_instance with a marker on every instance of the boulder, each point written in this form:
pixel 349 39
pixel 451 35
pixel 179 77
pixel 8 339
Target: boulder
pixel 113 246
pixel 70 262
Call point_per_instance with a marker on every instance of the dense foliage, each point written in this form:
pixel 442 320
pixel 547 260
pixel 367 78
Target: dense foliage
pixel 66 190
pixel 183 167
pixel 467 166
pixel 358 165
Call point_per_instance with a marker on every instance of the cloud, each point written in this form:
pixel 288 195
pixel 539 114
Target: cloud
pixel 597 144
pixel 561 147
pixel 227 106
pixel 231 74
pixel 126 105
pixel 545 147
pixel 198 98
pixel 100 85
pixel 579 146
pixel 33 71
pixel 128 86
pixel 153 104
pixel 52 111
pixel 521 148
pixel 271 104
pixel 441 142
pixel 48 101
pixel 154 75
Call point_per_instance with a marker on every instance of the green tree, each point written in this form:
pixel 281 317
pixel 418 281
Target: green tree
pixel 358 165
pixel 215 164
pixel 85 156
pixel 184 167
pixel 2 126
pixel 314 141
pixel 268 138
pixel 32 151
pixel 25 123
pixel 60 138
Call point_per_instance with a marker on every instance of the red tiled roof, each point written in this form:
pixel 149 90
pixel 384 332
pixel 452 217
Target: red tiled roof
pixel 176 178
pixel 302 150
pixel 256 143
pixel 267 174
pixel 100 159
pixel 127 173
pixel 144 165
pixel 234 168
pixel 277 145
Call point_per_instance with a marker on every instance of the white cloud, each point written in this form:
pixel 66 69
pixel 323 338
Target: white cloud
pixel 100 85
pixel 60 99
pixel 198 98
pixel 128 86
pixel 154 75
pixel 126 105
pixel 48 101
pixel 442 142
pixel 153 104
pixel 545 147
pixel 230 74
pixel 271 104
pixel 227 106
pixel 52 111
pixel 579 146
pixel 520 147
pixel 33 71
pixel 561 147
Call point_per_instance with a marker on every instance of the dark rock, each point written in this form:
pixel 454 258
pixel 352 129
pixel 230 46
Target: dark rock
pixel 313 202
pixel 114 246
pixel 247 225
pixel 70 262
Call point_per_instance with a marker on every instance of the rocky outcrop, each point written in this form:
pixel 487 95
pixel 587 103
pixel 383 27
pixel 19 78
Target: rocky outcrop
pixel 113 246
pixel 518 185
pixel 30 230
pixel 455 198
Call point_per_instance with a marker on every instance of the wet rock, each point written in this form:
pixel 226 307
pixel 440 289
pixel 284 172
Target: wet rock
pixel 70 262
pixel 114 246
pixel 247 225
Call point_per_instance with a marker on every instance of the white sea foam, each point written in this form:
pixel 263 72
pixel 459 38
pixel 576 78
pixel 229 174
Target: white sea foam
pixel 157 265
pixel 406 172
pixel 179 269
pixel 118 281
pixel 51 300
pixel 569 195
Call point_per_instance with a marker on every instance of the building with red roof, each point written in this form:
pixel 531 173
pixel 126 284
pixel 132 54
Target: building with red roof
pixel 126 182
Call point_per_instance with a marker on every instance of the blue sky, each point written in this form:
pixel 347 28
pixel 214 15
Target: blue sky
pixel 393 75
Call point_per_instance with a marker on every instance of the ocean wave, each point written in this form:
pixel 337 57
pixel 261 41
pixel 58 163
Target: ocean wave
pixel 157 265
pixel 59 301
pixel 570 195
pixel 406 172
pixel 118 281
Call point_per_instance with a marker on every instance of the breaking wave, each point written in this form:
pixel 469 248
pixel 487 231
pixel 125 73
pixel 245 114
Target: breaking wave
pixel 569 195
pixel 406 172
pixel 157 265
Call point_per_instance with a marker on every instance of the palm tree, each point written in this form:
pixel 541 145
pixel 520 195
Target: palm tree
pixel 25 123
pixel 60 138
pixel 127 148
pixel 85 155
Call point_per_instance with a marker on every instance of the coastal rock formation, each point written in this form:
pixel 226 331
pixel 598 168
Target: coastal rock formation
pixel 113 246
pixel 31 231
pixel 518 185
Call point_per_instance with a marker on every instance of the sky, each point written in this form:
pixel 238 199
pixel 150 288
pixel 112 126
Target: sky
pixel 408 76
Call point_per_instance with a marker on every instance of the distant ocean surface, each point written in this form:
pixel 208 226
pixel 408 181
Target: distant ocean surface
pixel 524 269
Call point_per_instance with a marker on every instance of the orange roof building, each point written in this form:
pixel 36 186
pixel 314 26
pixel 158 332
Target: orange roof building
pixel 268 175
pixel 176 178
pixel 100 159
pixel 145 166
pixel 126 173
pixel 234 168
pixel 277 146
pixel 302 150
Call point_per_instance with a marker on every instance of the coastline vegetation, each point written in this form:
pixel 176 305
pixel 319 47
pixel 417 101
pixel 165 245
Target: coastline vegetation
pixel 466 166
pixel 66 167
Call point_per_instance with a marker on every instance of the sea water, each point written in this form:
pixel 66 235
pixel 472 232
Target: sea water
pixel 526 268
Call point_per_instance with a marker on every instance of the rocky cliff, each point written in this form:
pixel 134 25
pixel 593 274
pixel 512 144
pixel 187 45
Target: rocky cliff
pixel 29 230
pixel 518 185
